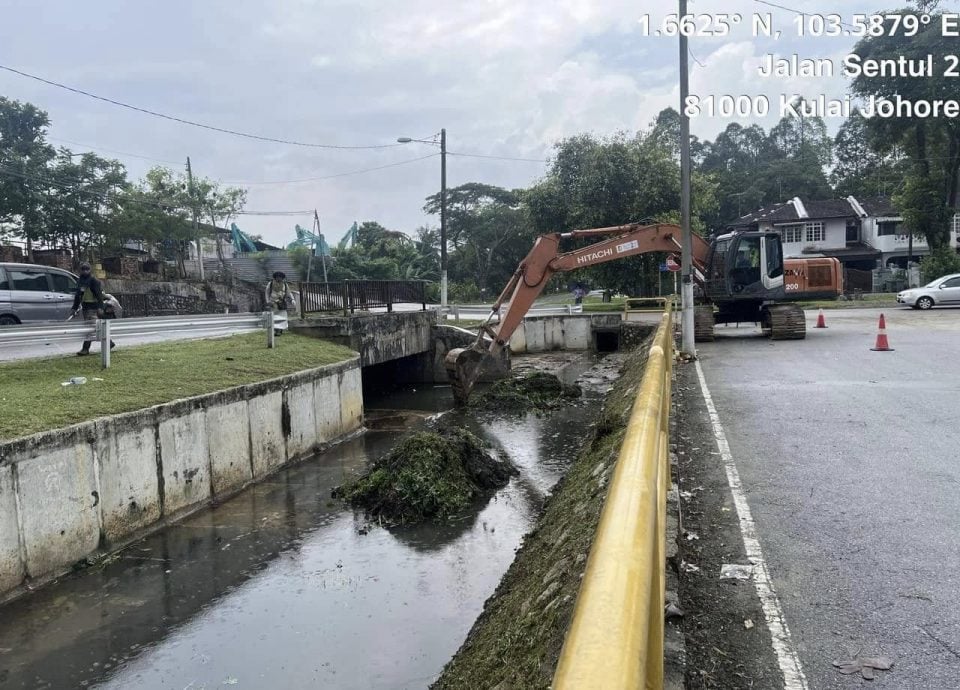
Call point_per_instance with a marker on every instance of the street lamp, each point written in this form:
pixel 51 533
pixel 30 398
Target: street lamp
pixel 443 208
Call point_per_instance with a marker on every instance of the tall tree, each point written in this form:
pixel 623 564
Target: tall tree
pixel 24 155
pixel 929 195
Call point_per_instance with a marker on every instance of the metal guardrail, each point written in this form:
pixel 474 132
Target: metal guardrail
pixel 104 329
pixel 615 640
pixel 353 295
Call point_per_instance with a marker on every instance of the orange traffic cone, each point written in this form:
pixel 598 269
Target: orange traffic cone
pixel 821 322
pixel 882 344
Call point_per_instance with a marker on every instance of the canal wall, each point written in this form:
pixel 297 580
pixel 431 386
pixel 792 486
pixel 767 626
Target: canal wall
pixel 69 495
pixel 565 332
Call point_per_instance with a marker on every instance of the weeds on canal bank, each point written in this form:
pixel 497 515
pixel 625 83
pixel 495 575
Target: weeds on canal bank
pixel 516 641
pixel 535 392
pixel 430 475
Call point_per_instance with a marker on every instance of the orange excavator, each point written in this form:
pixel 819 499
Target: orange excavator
pixel 742 279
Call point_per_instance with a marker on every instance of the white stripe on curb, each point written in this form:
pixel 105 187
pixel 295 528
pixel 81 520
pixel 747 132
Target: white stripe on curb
pixel 793 678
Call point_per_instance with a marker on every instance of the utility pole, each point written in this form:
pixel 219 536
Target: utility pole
pixel 686 262
pixel 196 223
pixel 323 257
pixel 443 218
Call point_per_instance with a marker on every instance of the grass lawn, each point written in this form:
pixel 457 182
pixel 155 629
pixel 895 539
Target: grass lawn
pixel 32 399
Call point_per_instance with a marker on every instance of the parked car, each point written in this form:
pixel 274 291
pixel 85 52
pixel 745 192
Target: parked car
pixel 945 290
pixel 30 293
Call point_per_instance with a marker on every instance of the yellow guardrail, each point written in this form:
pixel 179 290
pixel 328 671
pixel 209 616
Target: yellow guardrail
pixel 615 640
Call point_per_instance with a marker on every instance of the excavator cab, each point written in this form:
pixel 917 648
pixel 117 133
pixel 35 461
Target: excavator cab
pixel 745 266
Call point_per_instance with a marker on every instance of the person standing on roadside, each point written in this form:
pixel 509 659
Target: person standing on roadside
pixel 88 301
pixel 278 298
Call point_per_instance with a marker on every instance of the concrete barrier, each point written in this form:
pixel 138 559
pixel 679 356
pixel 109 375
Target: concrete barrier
pixel 573 332
pixel 69 495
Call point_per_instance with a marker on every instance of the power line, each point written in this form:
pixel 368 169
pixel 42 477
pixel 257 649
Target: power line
pixel 119 153
pixel 184 121
pixel 343 174
pixel 797 12
pixel 499 158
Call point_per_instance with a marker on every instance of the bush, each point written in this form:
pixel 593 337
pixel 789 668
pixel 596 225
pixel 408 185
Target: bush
pixel 938 263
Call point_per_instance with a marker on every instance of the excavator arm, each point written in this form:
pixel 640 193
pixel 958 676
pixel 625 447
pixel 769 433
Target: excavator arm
pixel 534 272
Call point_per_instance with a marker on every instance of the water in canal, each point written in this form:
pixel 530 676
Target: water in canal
pixel 281 587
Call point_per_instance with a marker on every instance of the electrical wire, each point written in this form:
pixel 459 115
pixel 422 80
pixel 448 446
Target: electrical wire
pixel 343 174
pixel 119 153
pixel 798 12
pixel 173 118
pixel 499 158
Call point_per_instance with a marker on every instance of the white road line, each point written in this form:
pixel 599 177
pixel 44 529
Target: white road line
pixel 793 678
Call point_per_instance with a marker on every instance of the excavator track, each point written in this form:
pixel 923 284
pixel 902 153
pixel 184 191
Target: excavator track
pixel 785 322
pixel 703 323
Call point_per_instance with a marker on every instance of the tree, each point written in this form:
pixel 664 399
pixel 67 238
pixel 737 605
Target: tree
pixel 863 167
pixel 24 154
pixel 929 194
pixel 81 205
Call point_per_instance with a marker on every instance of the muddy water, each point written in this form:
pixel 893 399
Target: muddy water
pixel 280 587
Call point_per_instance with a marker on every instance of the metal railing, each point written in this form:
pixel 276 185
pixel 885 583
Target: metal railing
pixel 615 640
pixel 163 304
pixel 648 305
pixel 361 295
pixel 103 330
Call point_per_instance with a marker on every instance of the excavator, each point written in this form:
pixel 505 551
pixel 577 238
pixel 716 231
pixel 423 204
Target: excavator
pixel 741 279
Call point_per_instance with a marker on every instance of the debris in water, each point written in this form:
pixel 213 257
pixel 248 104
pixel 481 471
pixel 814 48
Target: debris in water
pixel 672 611
pixel 736 571
pixel 689 567
pixel 865 666
pixel 428 476
pixel 535 391
pixel 748 624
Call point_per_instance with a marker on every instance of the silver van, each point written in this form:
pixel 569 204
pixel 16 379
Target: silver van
pixel 30 293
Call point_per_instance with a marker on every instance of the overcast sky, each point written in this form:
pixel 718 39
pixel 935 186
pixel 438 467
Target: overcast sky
pixel 504 77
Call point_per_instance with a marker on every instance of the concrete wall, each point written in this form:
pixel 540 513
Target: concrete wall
pixel 573 332
pixel 71 494
pixel 378 338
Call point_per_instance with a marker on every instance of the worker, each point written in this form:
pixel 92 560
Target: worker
pixel 278 298
pixel 88 302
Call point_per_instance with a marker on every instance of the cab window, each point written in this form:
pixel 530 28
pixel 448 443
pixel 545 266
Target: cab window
pixel 32 281
pixel 774 257
pixel 63 283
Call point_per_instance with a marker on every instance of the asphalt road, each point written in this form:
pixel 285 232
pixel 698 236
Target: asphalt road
pixel 850 460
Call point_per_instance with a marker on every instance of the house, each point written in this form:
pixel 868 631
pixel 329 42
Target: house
pixel 863 234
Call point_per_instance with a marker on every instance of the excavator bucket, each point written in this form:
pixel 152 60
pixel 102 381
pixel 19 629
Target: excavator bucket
pixel 463 368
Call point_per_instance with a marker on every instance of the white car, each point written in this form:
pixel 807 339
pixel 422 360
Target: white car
pixel 942 291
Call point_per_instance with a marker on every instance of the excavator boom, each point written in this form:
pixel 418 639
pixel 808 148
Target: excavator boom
pixel 534 272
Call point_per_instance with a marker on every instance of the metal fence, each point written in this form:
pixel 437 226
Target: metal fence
pixel 616 637
pixel 104 330
pixel 361 295
pixel 164 304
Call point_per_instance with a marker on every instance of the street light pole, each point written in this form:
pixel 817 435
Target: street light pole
pixel 687 345
pixel 443 218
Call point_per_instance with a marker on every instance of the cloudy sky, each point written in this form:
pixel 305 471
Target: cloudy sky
pixel 504 77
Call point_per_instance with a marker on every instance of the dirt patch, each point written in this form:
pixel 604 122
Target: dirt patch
pixel 429 475
pixel 516 641
pixel 728 645
pixel 536 391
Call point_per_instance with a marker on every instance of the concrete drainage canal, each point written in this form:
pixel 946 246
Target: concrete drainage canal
pixel 283 586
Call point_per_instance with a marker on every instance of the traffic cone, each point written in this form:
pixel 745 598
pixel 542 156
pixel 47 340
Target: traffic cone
pixel 882 344
pixel 821 322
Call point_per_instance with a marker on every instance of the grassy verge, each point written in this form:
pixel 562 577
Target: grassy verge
pixel 32 399
pixel 516 641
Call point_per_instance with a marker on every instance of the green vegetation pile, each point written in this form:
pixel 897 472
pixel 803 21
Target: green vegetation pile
pixel 429 475
pixel 536 391
pixel 516 641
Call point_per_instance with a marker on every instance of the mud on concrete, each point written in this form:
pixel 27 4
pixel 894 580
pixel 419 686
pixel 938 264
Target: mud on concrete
pixel 728 645
pixel 516 641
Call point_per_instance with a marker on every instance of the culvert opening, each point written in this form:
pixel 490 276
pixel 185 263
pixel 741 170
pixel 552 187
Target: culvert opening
pixel 606 341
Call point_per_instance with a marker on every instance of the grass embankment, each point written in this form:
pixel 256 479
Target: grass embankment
pixel 32 399
pixel 516 641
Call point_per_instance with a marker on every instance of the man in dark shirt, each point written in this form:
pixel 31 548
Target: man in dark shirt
pixel 88 301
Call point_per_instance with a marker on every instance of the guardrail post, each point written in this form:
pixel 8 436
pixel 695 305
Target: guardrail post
pixel 346 297
pixel 389 286
pixel 271 333
pixel 104 328
pixel 423 294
